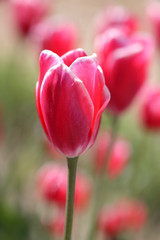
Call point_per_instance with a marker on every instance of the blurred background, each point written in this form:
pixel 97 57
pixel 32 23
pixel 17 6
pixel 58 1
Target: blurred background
pixel 23 144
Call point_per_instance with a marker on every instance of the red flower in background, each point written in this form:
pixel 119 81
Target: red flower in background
pixel 52 186
pixel 124 60
pixel 71 95
pixel 118 157
pixel 150 108
pixel 122 216
pixel 58 36
pixel 116 17
pixel 56 225
pixel 26 13
pixel 153 12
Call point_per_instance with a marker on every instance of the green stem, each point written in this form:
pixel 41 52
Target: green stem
pixel 72 166
pixel 99 183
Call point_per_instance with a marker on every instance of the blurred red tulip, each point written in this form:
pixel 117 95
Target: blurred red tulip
pixel 118 158
pixel 150 108
pixel 52 186
pixel 57 36
pixel 116 17
pixel 153 12
pixel 56 226
pixel 122 216
pixel 124 61
pixel 70 100
pixel 26 13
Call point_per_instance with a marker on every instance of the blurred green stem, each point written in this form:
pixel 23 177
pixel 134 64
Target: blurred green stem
pixel 72 166
pixel 99 186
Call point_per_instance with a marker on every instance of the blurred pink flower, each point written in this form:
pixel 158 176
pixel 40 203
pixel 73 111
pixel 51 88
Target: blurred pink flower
pixel 116 16
pixel 26 13
pixel 52 186
pixel 126 215
pixel 118 157
pixel 124 61
pixel 153 12
pixel 150 108
pixel 59 36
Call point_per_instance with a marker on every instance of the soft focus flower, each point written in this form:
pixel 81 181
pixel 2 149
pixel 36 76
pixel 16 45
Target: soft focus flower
pixel 122 216
pixel 52 186
pixel 153 12
pixel 26 13
pixel 116 17
pixel 124 61
pixel 71 95
pixel 150 108
pixel 57 36
pixel 56 225
pixel 118 158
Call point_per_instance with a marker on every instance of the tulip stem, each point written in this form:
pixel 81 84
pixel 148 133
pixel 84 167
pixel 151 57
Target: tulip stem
pixel 72 166
pixel 99 187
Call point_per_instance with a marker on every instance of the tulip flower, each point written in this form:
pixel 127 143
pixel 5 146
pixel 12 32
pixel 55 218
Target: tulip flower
pixel 121 217
pixel 71 95
pixel 57 36
pixel 124 60
pixel 150 109
pixel 52 186
pixel 118 157
pixel 116 17
pixel 153 12
pixel 26 13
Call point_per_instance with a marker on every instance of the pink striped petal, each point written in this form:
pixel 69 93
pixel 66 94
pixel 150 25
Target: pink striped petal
pixel 67 110
pixel 71 56
pixel 47 60
pixel 85 69
pixel 101 99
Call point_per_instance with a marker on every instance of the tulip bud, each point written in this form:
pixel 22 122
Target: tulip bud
pixel 116 17
pixel 26 13
pixel 150 109
pixel 124 60
pixel 52 186
pixel 118 157
pixel 57 36
pixel 121 217
pixel 71 95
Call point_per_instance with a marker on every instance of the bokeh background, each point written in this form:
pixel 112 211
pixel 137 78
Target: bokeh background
pixel 22 149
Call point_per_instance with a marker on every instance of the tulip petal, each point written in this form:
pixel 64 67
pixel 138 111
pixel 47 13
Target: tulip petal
pixel 85 69
pixel 39 109
pixel 71 56
pixel 47 60
pixel 102 94
pixel 67 110
pixel 132 77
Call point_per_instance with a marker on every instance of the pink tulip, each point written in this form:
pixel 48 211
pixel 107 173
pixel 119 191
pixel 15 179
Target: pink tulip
pixel 153 12
pixel 57 36
pixel 150 108
pixel 52 186
pixel 121 217
pixel 26 13
pixel 116 17
pixel 71 95
pixel 124 61
pixel 118 158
